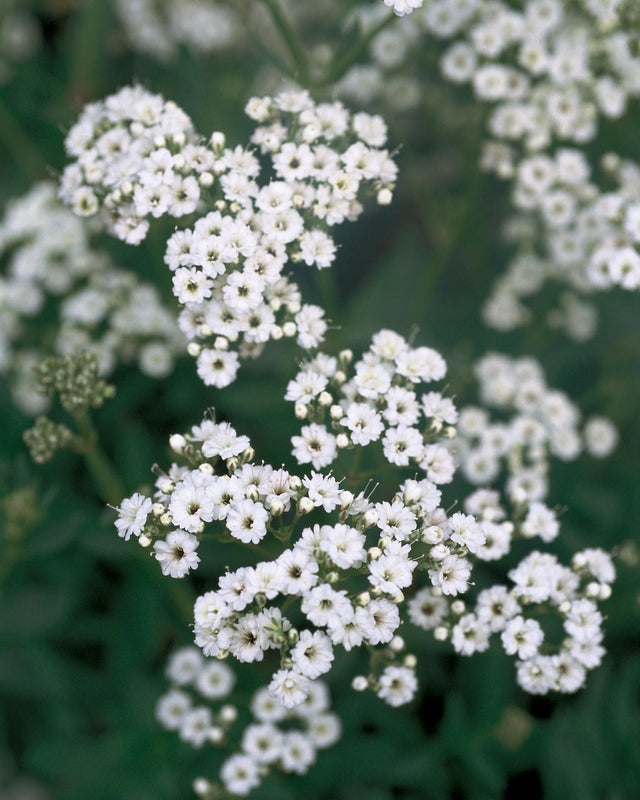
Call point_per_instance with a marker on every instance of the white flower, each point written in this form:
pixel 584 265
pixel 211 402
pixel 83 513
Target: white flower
pixel 364 423
pixel 217 367
pixel 222 440
pixel 522 637
pixel 380 620
pixel 177 554
pixel 315 445
pixel 317 247
pixel 470 635
pixel 133 512
pixel 240 774
pixel 402 444
pixel 402 7
pixel 344 545
pixel 184 665
pixel 397 685
pixel 171 709
pixel 262 742
pixel 247 521
pixel 453 575
pixel 466 532
pixel 323 490
pixel 289 687
pixel 427 609
pixel 216 680
pixel 195 726
pixel 313 654
pixel 323 605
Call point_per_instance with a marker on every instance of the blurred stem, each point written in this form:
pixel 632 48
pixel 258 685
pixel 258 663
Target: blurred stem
pixel 355 53
pixel 291 40
pixel 326 283
pixel 106 480
pixel 87 49
pixel 433 272
pixel 18 143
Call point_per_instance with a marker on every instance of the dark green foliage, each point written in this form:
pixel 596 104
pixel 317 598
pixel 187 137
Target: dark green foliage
pixel 86 621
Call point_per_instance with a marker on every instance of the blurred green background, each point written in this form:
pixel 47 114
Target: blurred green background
pixel 86 622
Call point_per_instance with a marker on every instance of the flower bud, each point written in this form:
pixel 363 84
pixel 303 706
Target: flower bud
pixel 218 140
pixel 228 714
pixel 457 607
pixel 289 329
pixel 363 599
pixel 177 442
pixel 305 505
pixel 370 517
pixel 397 644
pixel 441 634
pixel 340 377
pixel 373 553
pixel 201 787
pixel 206 179
pixel 215 734
pixel 342 441
pixel 194 349
pixel 346 499
pixel 384 197
pixel 336 412
pixel 359 683
pixel 301 411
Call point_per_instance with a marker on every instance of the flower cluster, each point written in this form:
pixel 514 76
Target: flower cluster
pixel 540 583
pixel 50 270
pixel 548 72
pixel 572 232
pixel 276 737
pixel 138 157
pixel 74 381
pixel 158 29
pixel 345 564
pixel 341 579
pixel 543 423
pixel 378 403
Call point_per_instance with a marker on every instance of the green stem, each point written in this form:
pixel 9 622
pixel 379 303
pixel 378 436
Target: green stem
pixel 290 39
pixel 355 52
pixel 432 274
pixel 84 68
pixel 106 480
pixel 17 142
